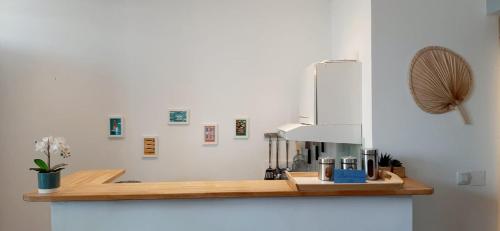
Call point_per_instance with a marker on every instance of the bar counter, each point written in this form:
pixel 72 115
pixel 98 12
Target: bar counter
pixel 89 200
pixel 96 185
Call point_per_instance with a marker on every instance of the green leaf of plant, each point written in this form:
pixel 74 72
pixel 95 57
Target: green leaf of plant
pixel 40 163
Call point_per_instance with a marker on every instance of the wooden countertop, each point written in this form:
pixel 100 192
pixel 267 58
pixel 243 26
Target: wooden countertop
pixel 95 185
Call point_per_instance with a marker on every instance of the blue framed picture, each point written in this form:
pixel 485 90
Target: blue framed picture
pixel 178 116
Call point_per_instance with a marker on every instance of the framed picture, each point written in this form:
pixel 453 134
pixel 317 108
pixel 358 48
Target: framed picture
pixel 241 128
pixel 178 116
pixel 210 134
pixel 115 126
pixel 150 146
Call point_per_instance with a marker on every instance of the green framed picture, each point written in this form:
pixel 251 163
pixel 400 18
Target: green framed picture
pixel 115 126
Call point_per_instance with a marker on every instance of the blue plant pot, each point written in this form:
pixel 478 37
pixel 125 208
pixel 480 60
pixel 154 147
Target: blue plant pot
pixel 49 182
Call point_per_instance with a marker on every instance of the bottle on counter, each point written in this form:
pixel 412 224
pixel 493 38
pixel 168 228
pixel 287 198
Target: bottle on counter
pixel 299 161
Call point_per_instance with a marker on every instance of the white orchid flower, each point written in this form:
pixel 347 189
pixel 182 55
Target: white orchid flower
pixel 57 146
pixel 59 140
pixel 48 139
pixel 41 146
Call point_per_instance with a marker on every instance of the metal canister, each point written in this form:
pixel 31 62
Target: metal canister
pixel 326 167
pixel 349 163
pixel 370 163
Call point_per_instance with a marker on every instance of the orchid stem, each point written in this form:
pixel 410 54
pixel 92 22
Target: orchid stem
pixel 48 154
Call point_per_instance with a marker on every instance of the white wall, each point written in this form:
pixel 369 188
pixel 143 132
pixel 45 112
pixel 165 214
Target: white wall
pixel 434 147
pixel 66 65
pixel 351 39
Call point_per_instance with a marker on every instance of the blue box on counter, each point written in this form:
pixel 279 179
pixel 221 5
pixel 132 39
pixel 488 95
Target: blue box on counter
pixel 349 176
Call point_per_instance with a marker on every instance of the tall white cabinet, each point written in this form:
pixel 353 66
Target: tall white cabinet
pixel 330 108
pixel 331 94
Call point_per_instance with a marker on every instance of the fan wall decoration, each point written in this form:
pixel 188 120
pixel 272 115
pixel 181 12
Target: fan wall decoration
pixel 440 81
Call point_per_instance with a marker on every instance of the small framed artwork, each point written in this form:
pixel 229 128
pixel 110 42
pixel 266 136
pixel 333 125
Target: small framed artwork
pixel 210 132
pixel 178 116
pixel 241 128
pixel 115 126
pixel 150 146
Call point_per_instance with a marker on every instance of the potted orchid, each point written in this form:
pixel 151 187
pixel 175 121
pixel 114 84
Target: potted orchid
pixel 49 176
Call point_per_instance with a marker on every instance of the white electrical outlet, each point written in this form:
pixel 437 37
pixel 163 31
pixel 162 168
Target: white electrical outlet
pixel 463 178
pixel 473 178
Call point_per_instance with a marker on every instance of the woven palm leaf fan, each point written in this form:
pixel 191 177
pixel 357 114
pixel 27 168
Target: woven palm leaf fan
pixel 440 80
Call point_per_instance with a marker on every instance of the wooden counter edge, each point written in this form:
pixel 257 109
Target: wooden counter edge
pixel 34 197
pixel 112 178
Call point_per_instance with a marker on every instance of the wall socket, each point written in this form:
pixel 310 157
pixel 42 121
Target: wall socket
pixel 472 178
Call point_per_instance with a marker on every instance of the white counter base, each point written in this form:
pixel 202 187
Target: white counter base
pixel 239 214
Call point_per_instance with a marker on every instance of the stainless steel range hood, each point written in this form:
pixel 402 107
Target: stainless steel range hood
pixel 330 104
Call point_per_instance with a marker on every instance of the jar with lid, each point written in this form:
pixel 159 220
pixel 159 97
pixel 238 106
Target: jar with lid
pixel 370 163
pixel 349 163
pixel 326 167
